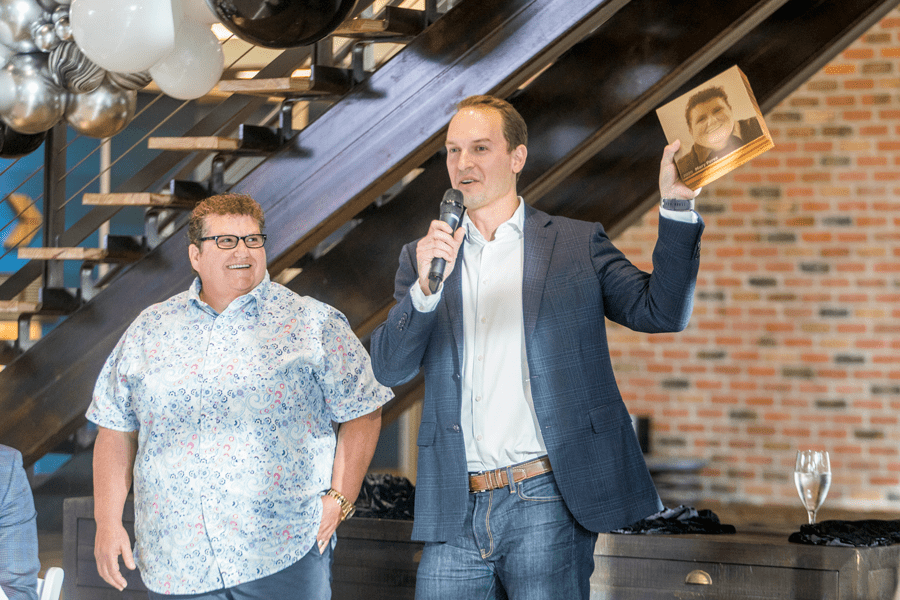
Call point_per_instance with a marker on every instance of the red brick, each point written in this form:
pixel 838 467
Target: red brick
pixel 857 115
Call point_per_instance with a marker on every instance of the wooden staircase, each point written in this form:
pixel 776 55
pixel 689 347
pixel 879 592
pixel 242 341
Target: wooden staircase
pixel 593 154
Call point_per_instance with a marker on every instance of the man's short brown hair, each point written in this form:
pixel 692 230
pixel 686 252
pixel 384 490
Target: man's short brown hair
pixel 514 129
pixel 223 204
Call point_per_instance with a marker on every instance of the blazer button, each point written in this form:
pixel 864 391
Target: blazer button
pixel 402 323
pixel 456 428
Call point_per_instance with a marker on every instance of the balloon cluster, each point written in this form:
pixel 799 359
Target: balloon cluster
pixel 83 61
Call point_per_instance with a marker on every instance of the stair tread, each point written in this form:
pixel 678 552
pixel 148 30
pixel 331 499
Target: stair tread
pixel 135 199
pixel 78 253
pixel 273 86
pixel 212 143
pixel 397 22
pixel 17 306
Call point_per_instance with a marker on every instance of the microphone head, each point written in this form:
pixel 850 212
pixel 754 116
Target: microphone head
pixel 452 204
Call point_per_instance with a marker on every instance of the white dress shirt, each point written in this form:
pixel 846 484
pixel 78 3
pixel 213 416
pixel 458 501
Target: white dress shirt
pixel 498 420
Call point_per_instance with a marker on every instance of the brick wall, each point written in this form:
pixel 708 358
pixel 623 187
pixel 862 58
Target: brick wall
pixel 795 337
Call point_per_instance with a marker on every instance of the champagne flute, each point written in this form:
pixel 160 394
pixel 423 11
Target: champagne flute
pixel 812 476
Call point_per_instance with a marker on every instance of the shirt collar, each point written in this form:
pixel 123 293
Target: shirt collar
pixel 514 226
pixel 254 296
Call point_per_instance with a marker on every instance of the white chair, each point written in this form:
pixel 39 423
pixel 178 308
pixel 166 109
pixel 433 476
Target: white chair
pixel 50 586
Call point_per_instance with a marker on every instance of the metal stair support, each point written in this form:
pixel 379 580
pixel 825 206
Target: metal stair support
pixel 394 122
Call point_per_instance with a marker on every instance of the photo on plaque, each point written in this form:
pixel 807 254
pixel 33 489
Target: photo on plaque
pixel 720 127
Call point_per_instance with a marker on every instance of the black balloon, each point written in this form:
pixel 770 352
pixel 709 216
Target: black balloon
pixel 14 144
pixel 281 23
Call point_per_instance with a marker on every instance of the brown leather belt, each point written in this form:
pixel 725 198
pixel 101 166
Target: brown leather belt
pixel 492 480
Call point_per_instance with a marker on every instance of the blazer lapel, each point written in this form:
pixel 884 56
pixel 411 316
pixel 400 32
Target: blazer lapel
pixel 452 296
pixel 540 238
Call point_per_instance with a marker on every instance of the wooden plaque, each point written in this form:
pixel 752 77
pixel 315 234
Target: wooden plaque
pixel 720 127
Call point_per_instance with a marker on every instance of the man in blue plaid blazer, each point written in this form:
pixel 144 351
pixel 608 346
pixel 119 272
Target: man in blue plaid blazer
pixel 526 449
pixel 19 564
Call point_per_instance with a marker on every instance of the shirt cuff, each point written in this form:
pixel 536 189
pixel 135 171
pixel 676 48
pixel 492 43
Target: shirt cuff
pixel 685 216
pixel 421 302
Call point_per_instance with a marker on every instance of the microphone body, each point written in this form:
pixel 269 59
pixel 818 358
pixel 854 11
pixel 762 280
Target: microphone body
pixel 451 213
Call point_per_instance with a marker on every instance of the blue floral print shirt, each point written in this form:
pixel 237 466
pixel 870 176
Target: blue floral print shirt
pixel 234 417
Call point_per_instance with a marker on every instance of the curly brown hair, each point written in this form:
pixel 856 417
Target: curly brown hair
pixel 223 204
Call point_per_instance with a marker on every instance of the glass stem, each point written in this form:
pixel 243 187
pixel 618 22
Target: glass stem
pixel 812 516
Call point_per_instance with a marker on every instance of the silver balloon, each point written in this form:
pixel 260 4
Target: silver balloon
pixel 61 24
pixel 37 102
pixel 102 113
pixel 48 5
pixel 129 81
pixel 44 36
pixel 74 71
pixel 16 19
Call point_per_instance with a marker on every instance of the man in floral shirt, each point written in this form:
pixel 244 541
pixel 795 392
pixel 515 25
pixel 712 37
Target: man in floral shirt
pixel 219 404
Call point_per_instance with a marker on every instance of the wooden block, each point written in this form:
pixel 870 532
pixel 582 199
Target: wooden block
pixel 77 253
pixel 190 144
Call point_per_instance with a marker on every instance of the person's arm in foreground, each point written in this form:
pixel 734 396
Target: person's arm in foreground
pixel 114 454
pixel 356 442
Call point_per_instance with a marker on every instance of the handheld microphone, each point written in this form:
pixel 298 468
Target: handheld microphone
pixel 451 213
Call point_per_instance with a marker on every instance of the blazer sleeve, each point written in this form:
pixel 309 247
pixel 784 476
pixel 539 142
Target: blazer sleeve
pixel 398 345
pixel 19 564
pixel 661 301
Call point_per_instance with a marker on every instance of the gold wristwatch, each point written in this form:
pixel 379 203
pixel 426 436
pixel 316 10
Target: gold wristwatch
pixel 347 507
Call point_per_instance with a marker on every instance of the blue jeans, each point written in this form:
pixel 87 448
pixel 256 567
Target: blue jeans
pixel 307 579
pixel 522 545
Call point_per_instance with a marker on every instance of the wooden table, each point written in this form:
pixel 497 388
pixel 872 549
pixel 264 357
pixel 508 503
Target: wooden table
pixel 737 567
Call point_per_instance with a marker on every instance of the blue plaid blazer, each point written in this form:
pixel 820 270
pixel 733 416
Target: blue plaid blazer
pixel 19 564
pixel 574 278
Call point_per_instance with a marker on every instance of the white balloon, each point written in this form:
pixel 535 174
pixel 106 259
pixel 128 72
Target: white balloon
pixel 125 36
pixel 199 11
pixel 194 67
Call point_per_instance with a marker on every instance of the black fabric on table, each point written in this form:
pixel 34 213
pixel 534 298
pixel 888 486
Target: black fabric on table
pixel 867 533
pixel 682 519
pixel 385 496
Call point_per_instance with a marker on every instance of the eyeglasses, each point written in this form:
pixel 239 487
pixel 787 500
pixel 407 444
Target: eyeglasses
pixel 228 242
